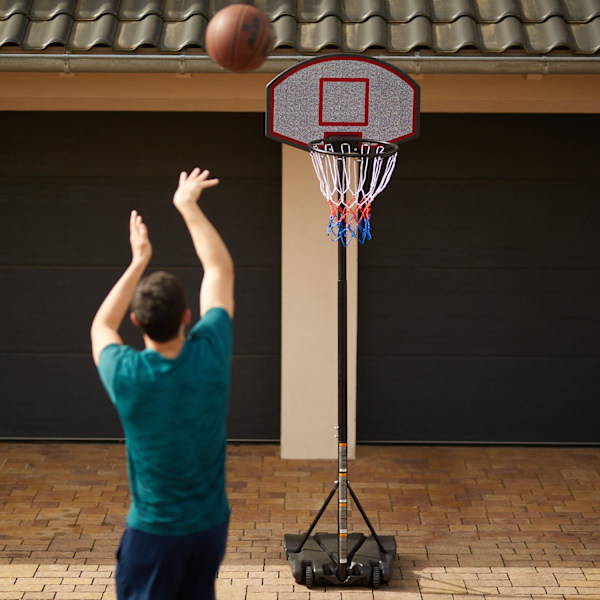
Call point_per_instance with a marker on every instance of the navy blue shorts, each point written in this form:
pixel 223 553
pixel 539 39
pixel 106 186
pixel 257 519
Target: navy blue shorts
pixel 162 567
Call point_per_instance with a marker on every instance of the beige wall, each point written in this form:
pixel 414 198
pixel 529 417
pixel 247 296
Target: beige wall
pixel 228 92
pixel 309 259
pixel 309 354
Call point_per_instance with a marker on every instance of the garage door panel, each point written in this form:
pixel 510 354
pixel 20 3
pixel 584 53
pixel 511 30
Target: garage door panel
pixel 54 396
pixel 497 146
pixel 62 397
pixel 475 399
pixel 50 310
pixel 254 407
pixel 84 221
pixel 481 282
pixel 492 312
pixel 131 144
pixel 485 224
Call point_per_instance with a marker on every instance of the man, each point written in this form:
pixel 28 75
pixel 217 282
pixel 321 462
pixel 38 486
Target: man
pixel 172 400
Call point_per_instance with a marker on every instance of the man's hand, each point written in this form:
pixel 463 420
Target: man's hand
pixel 141 249
pixel 191 187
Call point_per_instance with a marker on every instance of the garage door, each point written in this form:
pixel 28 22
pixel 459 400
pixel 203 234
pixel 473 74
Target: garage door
pixel 479 295
pixel 67 184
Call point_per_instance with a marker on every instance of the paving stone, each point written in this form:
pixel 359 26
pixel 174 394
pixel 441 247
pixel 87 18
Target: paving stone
pixel 491 522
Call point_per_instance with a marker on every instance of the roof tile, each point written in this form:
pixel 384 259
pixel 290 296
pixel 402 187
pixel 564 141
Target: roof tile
pixel 313 37
pixel 277 8
pixel 493 11
pixel 12 30
pixel 180 10
pixel 87 34
pixel 285 29
pixel 217 5
pixel 586 37
pixel 581 11
pixel 499 37
pixel 7 9
pixel 359 37
pixel 131 35
pixel 179 35
pixel 41 34
pixel 357 10
pixel 135 10
pixel 400 11
pixel 537 11
pixel 87 10
pixel 405 37
pixel 448 11
pixel 545 37
pixel 45 10
pixel 317 10
pixel 451 37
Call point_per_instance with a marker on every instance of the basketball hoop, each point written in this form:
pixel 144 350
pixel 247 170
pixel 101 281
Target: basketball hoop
pixel 352 172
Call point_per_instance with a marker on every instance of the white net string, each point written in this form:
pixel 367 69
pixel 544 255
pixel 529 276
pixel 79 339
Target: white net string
pixel 350 179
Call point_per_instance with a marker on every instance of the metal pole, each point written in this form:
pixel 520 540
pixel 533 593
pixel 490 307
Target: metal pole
pixel 342 409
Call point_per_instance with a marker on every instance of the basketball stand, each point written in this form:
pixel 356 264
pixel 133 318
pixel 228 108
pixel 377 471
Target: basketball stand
pixel 342 558
pixel 352 171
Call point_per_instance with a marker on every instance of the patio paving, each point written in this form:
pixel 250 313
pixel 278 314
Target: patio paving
pixel 481 522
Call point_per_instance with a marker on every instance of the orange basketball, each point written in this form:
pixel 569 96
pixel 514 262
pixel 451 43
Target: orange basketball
pixel 239 37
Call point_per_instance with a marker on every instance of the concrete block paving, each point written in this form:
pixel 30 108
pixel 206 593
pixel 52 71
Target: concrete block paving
pixel 514 523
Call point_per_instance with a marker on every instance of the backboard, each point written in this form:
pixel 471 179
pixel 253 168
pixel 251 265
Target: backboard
pixel 345 95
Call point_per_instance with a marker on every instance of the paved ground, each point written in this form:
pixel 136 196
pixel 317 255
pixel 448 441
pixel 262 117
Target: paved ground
pixel 487 523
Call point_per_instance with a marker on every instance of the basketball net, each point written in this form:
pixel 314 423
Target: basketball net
pixel 352 173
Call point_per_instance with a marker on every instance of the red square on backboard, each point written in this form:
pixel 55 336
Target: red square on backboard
pixel 344 101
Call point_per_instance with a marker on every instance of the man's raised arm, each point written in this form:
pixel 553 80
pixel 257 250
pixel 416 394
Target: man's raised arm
pixel 217 285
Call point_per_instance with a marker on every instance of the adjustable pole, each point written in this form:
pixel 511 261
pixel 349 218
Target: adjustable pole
pixel 342 410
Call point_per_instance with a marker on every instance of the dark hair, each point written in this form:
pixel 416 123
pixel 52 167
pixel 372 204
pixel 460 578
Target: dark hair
pixel 158 304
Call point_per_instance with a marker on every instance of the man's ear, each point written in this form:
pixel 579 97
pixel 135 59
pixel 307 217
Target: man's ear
pixel 187 317
pixel 133 319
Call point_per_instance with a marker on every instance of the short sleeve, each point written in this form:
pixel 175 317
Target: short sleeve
pixel 216 325
pixel 108 365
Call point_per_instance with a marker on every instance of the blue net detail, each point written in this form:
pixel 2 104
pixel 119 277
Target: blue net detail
pixel 349 223
pixel 351 174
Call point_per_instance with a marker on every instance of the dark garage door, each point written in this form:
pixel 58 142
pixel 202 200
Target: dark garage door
pixel 67 184
pixel 479 295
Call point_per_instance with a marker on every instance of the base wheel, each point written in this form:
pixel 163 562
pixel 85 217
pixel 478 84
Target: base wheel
pixel 309 577
pixel 376 577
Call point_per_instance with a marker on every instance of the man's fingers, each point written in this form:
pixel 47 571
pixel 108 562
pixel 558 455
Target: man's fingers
pixel 211 182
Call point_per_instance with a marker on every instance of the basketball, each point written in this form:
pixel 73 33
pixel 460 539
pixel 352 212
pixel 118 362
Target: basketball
pixel 239 37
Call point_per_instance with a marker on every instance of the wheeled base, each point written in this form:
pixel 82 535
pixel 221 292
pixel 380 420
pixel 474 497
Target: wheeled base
pixel 317 561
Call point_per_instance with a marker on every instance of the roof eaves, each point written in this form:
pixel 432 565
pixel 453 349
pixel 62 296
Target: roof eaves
pixel 184 62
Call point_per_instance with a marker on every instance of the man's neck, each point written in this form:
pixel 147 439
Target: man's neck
pixel 169 349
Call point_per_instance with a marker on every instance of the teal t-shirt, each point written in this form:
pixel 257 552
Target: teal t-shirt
pixel 174 413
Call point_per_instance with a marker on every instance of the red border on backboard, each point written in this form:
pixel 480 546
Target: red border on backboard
pixel 365 120
pixel 270 133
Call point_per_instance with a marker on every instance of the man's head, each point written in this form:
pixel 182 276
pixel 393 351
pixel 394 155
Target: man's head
pixel 159 306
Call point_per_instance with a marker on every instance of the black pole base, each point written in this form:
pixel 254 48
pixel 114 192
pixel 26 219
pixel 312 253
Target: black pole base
pixel 316 564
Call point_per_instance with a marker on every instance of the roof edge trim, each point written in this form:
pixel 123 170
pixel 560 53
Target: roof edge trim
pixel 185 64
